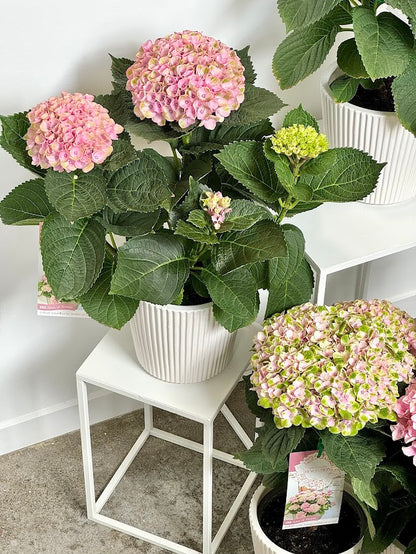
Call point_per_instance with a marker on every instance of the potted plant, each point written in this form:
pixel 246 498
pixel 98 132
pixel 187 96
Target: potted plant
pixel 367 97
pixel 204 225
pixel 329 377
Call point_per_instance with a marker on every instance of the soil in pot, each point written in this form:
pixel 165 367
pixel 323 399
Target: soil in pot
pixel 380 99
pixel 325 539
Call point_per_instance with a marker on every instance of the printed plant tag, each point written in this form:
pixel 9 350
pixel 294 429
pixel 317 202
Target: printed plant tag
pixel 314 491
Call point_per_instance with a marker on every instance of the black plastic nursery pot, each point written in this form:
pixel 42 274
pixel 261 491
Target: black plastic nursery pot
pixel 266 517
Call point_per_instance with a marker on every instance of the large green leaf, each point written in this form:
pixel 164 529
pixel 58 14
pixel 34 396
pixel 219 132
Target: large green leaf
pixel 384 42
pixel 246 162
pixel 249 73
pixel 129 224
pixel 404 97
pixel 141 186
pixel 277 444
pixel 254 459
pixel 26 204
pixel 349 59
pixel 344 88
pixel 194 233
pixel 14 128
pixel 72 254
pixel 259 103
pixel 109 309
pixel 123 153
pixel 152 268
pixel 119 67
pixel 405 475
pixel 301 13
pixel 299 116
pixel 341 175
pixel 115 104
pixel 76 194
pixel 244 214
pixel 364 491
pixel 408 7
pixel 293 291
pixel 358 456
pixel 303 51
pixel 235 297
pixel 262 241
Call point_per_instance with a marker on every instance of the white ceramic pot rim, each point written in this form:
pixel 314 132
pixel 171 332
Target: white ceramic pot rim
pixel 181 308
pixel 325 81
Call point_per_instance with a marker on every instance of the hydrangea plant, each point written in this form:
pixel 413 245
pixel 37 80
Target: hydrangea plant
pixel 381 48
pixel 205 223
pixel 335 377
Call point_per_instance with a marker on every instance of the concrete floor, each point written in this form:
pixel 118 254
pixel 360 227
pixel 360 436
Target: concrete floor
pixel 42 505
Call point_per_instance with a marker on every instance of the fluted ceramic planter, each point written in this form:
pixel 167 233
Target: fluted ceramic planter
pixel 180 344
pixel 381 135
pixel 263 545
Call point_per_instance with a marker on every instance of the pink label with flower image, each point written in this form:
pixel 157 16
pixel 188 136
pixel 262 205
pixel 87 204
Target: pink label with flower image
pixel 314 490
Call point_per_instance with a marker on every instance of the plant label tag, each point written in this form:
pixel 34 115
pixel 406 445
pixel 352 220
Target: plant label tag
pixel 314 490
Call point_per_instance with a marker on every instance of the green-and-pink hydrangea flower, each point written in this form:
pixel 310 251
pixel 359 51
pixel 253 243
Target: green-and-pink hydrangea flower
pixel 70 132
pixel 406 421
pixel 334 367
pixel 217 206
pixel 186 77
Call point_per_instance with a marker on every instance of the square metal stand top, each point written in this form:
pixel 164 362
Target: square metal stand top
pixel 113 366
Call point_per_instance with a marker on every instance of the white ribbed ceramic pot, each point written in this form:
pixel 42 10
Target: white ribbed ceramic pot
pixel 180 344
pixel 262 544
pixel 381 135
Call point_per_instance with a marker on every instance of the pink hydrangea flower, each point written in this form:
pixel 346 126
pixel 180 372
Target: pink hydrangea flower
pixel 186 77
pixel 334 367
pixel 406 421
pixel 70 132
pixel 217 206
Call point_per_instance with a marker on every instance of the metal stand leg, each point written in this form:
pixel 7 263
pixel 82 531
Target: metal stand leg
pixel 320 286
pixel 361 287
pixel 86 448
pixel 207 488
pixel 148 418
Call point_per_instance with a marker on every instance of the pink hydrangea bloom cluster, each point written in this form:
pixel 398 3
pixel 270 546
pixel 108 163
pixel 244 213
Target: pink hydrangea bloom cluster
pixel 406 421
pixel 70 132
pixel 186 77
pixel 309 503
pixel 334 367
pixel 217 206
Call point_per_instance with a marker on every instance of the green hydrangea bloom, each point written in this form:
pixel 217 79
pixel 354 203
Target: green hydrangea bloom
pixel 299 141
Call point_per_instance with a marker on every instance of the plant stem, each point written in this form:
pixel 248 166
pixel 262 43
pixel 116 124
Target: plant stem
pixel 176 159
pixel 113 242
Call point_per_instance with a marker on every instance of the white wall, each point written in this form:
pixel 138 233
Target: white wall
pixel 44 49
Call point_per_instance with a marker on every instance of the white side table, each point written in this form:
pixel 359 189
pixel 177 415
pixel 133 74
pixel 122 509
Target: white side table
pixel 113 366
pixel 340 236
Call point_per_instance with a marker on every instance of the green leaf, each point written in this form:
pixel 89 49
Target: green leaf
pixel 284 171
pixel 249 73
pixel 341 175
pixel 259 104
pixel 408 7
pixel 303 51
pixel 254 459
pixel 299 116
pixel 277 444
pixel 349 59
pixel 72 254
pixel 291 292
pixel 149 130
pixel 246 162
pixel 344 88
pixel 193 233
pixel 234 295
pixel 123 153
pixel 152 268
pixel 141 186
pixel 115 104
pixel 364 491
pixel 129 224
pixel 384 41
pixel 411 547
pixel 358 456
pixel 404 98
pixel 76 195
pixel 276 481
pixel 244 214
pixel 109 309
pixel 119 67
pixel 404 475
pixel 14 128
pixel 262 241
pixel 301 13
pixel 26 204
pixel 198 218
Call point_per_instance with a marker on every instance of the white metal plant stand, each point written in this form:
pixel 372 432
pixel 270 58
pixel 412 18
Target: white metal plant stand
pixel 113 366
pixel 340 236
